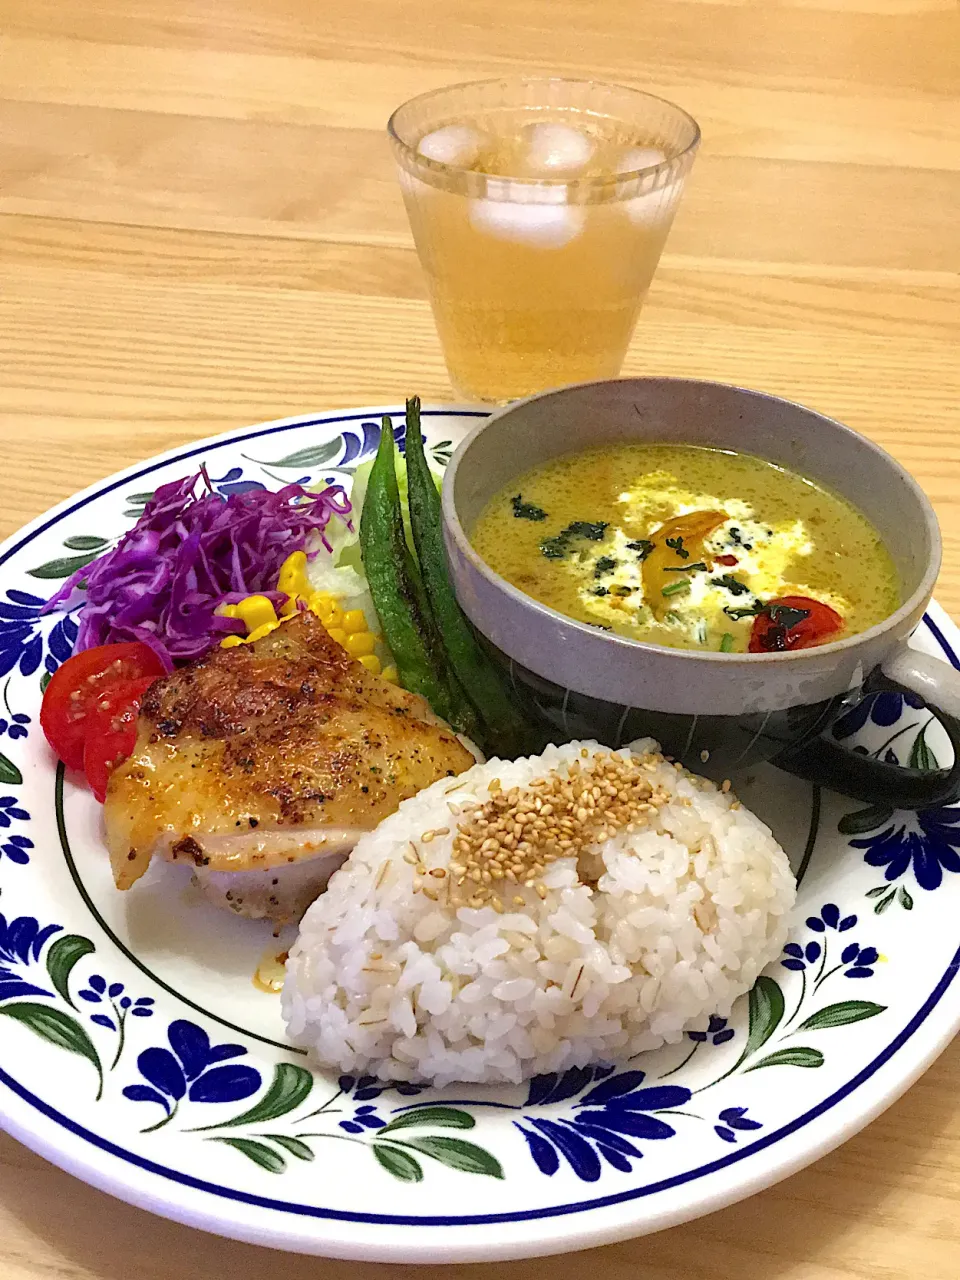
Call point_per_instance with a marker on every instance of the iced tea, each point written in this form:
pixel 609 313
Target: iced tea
pixel 539 211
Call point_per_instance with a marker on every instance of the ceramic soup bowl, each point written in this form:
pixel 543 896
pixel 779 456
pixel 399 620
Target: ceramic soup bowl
pixel 713 711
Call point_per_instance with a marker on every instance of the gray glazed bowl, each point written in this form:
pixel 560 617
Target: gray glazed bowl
pixel 726 709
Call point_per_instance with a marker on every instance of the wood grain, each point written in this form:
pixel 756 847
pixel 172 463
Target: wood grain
pixel 200 229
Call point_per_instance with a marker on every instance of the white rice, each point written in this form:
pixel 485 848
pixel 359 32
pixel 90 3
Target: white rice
pixel 685 914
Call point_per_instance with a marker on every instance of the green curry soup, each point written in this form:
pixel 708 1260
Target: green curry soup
pixel 690 547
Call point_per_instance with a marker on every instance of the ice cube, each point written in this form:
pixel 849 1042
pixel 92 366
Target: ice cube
pixel 508 213
pixel 458 144
pixel 640 158
pixel 553 150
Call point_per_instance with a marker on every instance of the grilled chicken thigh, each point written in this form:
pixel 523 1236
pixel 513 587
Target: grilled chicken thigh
pixel 261 766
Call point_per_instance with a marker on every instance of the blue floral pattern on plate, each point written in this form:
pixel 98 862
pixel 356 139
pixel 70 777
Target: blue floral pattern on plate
pixel 926 842
pixel 15 846
pixel 732 1122
pixel 22 640
pixel 21 942
pixel 879 708
pixel 608 1121
pixel 190 1069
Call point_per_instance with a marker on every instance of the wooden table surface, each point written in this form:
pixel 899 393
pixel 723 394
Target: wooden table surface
pixel 200 229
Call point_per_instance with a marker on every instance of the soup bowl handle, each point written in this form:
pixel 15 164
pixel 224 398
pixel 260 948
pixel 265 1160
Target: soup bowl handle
pixel 825 761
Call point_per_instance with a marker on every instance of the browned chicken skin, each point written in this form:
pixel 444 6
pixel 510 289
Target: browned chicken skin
pixel 260 766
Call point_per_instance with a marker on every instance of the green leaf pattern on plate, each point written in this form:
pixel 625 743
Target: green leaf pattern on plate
pixel 465 1157
pixel 921 754
pixel 10 775
pixel 795 1057
pixel 85 542
pixel 398 1163
pixel 291 1086
pixel 313 456
pixel 863 820
pixel 294 1145
pixel 63 567
pixel 258 1152
pixel 61 958
pixel 841 1015
pixel 443 1117
pixel 57 1028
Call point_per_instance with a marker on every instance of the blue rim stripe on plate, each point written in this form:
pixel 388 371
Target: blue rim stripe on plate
pixel 526 1215
pixel 942 641
pixel 312 1211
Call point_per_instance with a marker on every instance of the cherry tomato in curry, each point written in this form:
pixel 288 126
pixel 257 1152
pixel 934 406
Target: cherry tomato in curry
pixel 779 629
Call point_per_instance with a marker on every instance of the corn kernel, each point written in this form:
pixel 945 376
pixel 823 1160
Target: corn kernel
pixel 231 642
pixel 289 607
pixel 390 674
pixel 334 618
pixel 360 644
pixel 337 633
pixel 354 620
pixel 226 611
pixel 263 630
pixel 371 662
pixel 256 611
pixel 293 573
pixel 321 601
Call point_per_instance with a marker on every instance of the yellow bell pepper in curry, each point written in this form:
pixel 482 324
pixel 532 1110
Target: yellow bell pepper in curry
pixel 677 543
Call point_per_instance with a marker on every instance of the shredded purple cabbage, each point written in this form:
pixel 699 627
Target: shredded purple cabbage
pixel 185 556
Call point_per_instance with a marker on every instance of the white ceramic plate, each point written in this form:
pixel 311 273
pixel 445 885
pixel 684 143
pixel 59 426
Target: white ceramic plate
pixel 136 1052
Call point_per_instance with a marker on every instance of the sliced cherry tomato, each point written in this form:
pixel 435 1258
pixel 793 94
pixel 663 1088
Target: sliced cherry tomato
pixel 112 731
pixel 75 687
pixel 781 629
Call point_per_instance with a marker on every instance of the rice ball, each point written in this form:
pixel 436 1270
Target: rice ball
pixel 528 916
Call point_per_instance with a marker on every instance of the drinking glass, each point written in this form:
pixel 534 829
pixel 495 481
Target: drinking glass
pixel 539 208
